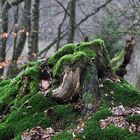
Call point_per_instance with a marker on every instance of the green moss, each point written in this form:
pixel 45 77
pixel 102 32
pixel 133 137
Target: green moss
pixel 4 82
pixel 72 53
pixel 30 71
pixel 66 113
pixel 87 97
pixel 89 45
pixel 98 42
pixel 20 116
pixel 8 93
pixel 27 110
pixel 93 131
pixel 92 127
pixel 133 118
pixel 116 133
pixel 27 114
pixel 65 135
pixel 8 133
pixel 118 58
pixel 124 94
pixel 66 49
pixel 69 59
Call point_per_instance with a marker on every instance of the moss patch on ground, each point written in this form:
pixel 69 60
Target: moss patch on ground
pixel 123 94
pixel 27 106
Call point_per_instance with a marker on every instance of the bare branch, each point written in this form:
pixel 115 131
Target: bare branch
pixel 94 12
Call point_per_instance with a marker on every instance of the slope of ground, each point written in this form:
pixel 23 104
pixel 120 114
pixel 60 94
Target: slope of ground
pixel 25 111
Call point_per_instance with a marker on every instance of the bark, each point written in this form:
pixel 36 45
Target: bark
pixel 129 48
pixel 16 28
pixel 33 39
pixel 90 87
pixel 102 61
pixel 72 15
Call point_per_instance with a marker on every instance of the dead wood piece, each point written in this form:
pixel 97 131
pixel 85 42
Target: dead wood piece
pixel 129 48
pixel 70 85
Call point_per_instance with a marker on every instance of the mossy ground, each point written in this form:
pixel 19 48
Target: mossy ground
pixel 22 105
pixel 27 106
pixel 28 111
pixel 123 94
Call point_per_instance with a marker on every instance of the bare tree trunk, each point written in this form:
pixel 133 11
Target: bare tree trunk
pixel 25 27
pixel 72 9
pixel 33 39
pixel 59 31
pixel 3 33
pixel 16 27
pixel 20 42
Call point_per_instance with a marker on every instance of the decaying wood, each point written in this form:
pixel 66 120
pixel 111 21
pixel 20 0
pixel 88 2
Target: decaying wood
pixel 129 48
pixel 75 78
pixel 70 84
pixel 90 87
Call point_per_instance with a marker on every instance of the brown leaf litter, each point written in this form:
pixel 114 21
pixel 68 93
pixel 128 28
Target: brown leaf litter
pixel 38 133
pixel 118 119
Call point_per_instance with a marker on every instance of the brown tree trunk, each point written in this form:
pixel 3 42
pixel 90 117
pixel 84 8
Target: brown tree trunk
pixel 72 14
pixel 21 39
pixel 25 28
pixel 33 38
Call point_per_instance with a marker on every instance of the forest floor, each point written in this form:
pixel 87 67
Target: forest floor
pixel 25 112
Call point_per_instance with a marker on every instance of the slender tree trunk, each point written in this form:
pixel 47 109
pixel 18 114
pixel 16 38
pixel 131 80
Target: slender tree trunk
pixel 59 32
pixel 21 39
pixel 16 26
pixel 33 39
pixel 72 11
pixel 3 33
pixel 25 28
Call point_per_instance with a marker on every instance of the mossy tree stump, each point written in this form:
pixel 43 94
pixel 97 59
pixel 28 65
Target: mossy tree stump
pixel 80 65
